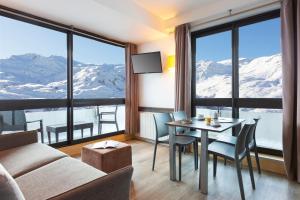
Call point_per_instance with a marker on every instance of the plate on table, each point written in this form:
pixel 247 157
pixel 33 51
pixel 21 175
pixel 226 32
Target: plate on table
pixel 186 121
pixel 200 118
pixel 216 125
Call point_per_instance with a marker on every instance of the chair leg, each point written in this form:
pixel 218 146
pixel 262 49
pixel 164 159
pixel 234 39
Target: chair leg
pixel 240 179
pixel 117 126
pixel 215 161
pixel 196 154
pixel 100 132
pixel 154 156
pixel 250 170
pixel 180 152
pixel 257 159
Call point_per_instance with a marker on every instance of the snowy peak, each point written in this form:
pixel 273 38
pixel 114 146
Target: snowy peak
pixel 36 76
pixel 259 77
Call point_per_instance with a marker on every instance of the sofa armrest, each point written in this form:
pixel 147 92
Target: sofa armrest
pixel 11 140
pixel 115 185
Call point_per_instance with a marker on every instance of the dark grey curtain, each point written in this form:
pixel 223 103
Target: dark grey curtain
pixel 132 96
pixel 183 69
pixel 290 16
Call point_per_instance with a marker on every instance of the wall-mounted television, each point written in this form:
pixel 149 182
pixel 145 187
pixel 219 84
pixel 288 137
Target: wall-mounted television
pixel 146 63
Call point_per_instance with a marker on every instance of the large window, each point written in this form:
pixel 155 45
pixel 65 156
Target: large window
pixel 238 65
pixel 69 86
pixel 98 73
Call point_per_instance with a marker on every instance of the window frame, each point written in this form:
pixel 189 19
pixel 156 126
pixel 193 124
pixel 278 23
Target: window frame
pixel 69 102
pixel 234 102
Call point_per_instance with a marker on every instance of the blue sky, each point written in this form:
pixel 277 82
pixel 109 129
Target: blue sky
pixel 21 38
pixel 260 39
pixel 256 40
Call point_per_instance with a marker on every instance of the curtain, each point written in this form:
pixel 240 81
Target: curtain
pixel 290 28
pixel 132 97
pixel 183 69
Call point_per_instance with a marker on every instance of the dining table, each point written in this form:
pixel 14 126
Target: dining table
pixel 196 124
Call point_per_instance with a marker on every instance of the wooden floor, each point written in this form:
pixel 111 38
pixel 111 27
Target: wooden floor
pixel 156 185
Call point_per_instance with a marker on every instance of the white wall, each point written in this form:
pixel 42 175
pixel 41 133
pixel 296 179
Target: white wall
pixel 157 90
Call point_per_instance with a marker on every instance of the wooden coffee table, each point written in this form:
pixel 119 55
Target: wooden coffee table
pixel 107 160
pixel 61 128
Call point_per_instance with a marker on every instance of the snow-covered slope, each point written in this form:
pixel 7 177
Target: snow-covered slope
pixel 35 76
pixel 259 78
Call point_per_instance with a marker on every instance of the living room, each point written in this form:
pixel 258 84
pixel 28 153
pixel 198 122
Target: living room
pixel 141 99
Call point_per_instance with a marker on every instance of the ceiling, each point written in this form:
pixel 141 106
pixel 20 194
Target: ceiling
pixel 136 21
pixel 167 9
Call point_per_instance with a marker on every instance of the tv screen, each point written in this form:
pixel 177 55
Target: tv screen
pixel 146 63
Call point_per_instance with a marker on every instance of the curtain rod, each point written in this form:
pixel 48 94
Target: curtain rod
pixel 230 14
pixel 57 25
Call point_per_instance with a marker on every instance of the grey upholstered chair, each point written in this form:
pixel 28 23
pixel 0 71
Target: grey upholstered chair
pixel 102 120
pixel 235 153
pixel 252 144
pixel 162 131
pixel 16 121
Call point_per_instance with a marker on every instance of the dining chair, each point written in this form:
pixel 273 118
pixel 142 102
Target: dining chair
pixel 252 145
pixel 15 120
pixel 235 153
pixel 101 120
pixel 162 130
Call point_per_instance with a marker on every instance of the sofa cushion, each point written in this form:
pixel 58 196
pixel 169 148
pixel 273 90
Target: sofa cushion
pixel 20 160
pixel 56 178
pixel 8 186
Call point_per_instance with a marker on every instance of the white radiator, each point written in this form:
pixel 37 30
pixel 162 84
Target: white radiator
pixel 147 126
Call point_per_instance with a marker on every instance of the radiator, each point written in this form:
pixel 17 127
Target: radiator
pixel 147 126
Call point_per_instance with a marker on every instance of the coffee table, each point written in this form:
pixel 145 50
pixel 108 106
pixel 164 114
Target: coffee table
pixel 61 128
pixel 109 159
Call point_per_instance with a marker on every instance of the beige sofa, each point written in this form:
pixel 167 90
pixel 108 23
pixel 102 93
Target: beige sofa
pixel 42 172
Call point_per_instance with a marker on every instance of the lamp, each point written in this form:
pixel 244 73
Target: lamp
pixel 171 61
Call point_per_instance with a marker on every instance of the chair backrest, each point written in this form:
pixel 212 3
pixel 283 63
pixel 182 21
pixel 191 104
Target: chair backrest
pixel 240 147
pixel 177 116
pixel 13 120
pixel 115 110
pixel 160 120
pixel 256 119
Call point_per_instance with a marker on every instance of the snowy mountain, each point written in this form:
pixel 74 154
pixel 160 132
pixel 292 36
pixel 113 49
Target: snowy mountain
pixel 260 77
pixel 36 76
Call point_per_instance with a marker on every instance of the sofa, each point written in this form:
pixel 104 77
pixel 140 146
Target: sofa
pixel 42 172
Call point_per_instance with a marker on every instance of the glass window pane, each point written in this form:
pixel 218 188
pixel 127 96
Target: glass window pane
pixel 269 127
pixel 36 119
pixel 97 120
pixel 32 61
pixel 214 66
pixel 98 69
pixel 260 67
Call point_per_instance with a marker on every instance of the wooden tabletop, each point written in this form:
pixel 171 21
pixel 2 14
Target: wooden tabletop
pixel 201 125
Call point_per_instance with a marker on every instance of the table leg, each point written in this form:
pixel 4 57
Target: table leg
pixel 172 153
pixel 56 137
pixel 91 131
pixel 203 176
pixel 82 133
pixel 49 137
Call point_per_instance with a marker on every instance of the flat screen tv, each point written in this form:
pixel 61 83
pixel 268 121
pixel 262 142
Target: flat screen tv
pixel 146 63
